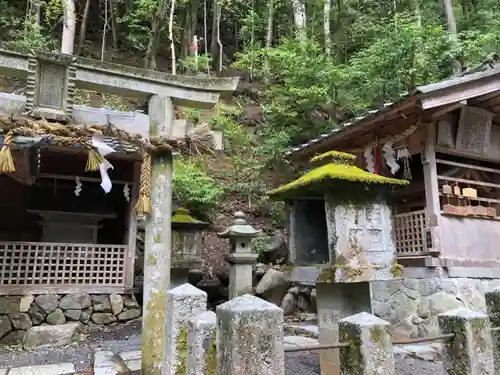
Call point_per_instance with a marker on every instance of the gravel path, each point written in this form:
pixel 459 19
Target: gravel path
pixel 121 339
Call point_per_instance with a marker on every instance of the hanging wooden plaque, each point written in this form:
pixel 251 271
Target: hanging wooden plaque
pixel 457 191
pixel 480 210
pixel 449 209
pixel 491 211
pixel 474 128
pixel 447 189
pixel 469 192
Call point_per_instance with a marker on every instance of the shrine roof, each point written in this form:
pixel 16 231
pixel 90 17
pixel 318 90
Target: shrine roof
pixel 422 98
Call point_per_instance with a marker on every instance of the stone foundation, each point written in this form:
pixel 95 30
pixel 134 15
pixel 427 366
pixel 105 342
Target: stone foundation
pixel 20 313
pixel 412 304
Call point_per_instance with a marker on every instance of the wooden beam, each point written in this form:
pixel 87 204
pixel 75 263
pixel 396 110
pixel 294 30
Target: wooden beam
pixel 456 93
pixel 484 98
pixel 82 178
pixel 469 182
pixel 433 209
pixel 131 236
pixel 438 112
pixel 469 166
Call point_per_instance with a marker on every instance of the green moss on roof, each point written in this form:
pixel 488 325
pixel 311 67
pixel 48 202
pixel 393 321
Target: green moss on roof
pixel 335 157
pixel 182 216
pixel 336 172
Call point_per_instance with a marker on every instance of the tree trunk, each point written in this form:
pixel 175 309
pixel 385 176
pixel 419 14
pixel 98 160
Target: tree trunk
pixel 269 35
pixel 214 45
pixel 190 26
pixel 104 30
pixel 327 6
pixel 205 33
pixel 299 18
pixel 83 28
pixel 452 29
pixel 114 24
pixel 154 35
pixel 69 26
pixel 171 37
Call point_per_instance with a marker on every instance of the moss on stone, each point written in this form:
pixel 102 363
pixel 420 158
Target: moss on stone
pixel 335 156
pixel 182 215
pixel 211 358
pixel 157 238
pixel 397 270
pixel 153 129
pixel 376 334
pixel 336 172
pixel 182 352
pixel 326 275
pixel 152 260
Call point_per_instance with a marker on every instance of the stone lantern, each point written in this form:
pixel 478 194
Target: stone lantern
pixel 187 245
pixel 241 258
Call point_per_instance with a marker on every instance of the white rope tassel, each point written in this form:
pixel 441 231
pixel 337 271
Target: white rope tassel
pixel 390 157
pixel 370 159
pixel 404 156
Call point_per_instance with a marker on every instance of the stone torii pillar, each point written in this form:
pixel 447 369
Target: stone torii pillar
pixel 241 258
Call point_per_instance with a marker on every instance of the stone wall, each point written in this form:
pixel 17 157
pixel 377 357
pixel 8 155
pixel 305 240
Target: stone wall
pixel 412 304
pixel 20 313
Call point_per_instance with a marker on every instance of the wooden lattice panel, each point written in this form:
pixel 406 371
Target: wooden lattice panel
pixel 44 264
pixel 409 233
pixel 474 129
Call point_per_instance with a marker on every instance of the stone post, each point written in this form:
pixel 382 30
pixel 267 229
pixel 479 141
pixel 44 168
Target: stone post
pixel 328 321
pixel 183 303
pixel 158 245
pixel 470 350
pixel 250 337
pixel 493 308
pixel 201 348
pixel 240 258
pixel 371 350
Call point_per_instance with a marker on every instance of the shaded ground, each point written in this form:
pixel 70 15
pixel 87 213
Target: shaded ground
pixel 119 339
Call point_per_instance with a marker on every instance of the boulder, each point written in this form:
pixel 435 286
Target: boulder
pixel 9 304
pixel 288 304
pixel 73 314
pixel 272 286
pixel 56 317
pixel 260 270
pixel 129 315
pixel 101 303
pixel 5 326
pixel 37 314
pixel 47 302
pixel 116 302
pixel 25 303
pixel 44 336
pixel 103 318
pixel 130 302
pixel 302 303
pixel 75 302
pixel 13 338
pixel 86 314
pixel 20 321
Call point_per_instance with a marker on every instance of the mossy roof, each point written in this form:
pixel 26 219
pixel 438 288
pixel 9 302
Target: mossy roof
pixel 183 219
pixel 341 169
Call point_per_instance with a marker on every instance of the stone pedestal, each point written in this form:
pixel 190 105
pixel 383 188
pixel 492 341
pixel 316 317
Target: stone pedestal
pixel 201 344
pixel 240 258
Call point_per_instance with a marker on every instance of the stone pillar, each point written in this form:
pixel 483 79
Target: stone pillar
pixel 250 337
pixel 493 308
pixel 241 258
pixel 183 303
pixel 470 350
pixel 328 320
pixel 201 348
pixel 371 350
pixel 158 246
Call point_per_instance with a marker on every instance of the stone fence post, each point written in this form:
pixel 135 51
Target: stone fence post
pixel 183 303
pixel 250 337
pixel 371 350
pixel 470 350
pixel 201 344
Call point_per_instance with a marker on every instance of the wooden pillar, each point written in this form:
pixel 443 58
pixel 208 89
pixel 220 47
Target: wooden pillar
pixel 432 206
pixel 158 245
pixel 131 238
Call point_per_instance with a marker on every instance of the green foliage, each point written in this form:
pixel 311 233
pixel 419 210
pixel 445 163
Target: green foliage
pixel 193 186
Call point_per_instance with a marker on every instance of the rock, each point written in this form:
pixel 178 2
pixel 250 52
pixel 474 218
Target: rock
pixel 130 302
pixel 5 326
pixel 276 251
pixel 25 303
pixel 195 276
pixel 75 302
pixel 260 270
pixel 271 280
pixel 405 329
pixel 103 318
pixel 101 303
pixel 21 321
pixel 47 302
pixel 116 302
pixel 9 304
pixel 85 316
pixel 288 304
pixel 294 290
pixel 223 277
pixel 37 314
pixel 442 302
pixel 73 314
pixel 44 336
pixel 302 303
pixel 13 338
pixel 314 302
pixel 56 317
pixel 129 315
